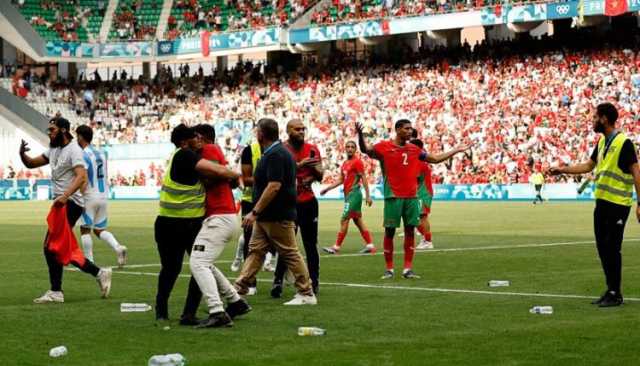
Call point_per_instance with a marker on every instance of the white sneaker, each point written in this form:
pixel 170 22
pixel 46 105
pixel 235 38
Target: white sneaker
pixel 235 265
pixel 425 244
pixel 50 296
pixel 300 299
pixel 104 281
pixel 252 291
pixel 122 256
pixel 268 267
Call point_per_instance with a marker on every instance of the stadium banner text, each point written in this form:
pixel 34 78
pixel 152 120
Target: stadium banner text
pixel 22 189
pixel 222 41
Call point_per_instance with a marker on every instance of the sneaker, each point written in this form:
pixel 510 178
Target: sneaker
pixel 388 274
pixel 600 299
pixel 424 244
pixel 252 291
pixel 104 281
pixel 268 267
pixel 276 290
pixel 189 320
pixel 50 296
pixel 216 320
pixel 331 250
pixel 300 299
pixel 236 264
pixel 237 308
pixel 122 256
pixel 408 274
pixel 611 299
pixel 369 248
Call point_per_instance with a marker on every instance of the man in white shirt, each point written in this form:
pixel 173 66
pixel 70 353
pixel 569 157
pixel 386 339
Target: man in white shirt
pixel 68 175
pixel 96 194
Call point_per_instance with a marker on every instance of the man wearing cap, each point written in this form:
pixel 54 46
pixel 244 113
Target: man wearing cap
pixel 182 209
pixel 68 176
pixel 616 163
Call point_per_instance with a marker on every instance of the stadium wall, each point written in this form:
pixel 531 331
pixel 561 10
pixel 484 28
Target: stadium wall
pixel 14 189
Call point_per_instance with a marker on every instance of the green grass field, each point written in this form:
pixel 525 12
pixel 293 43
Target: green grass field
pixel 449 317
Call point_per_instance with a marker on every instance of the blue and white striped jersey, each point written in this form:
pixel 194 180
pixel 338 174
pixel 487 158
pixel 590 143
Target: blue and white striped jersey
pixel 98 184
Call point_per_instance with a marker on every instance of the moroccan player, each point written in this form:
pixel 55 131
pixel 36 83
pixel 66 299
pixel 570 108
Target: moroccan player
pixel 352 174
pixel 425 195
pixel 401 162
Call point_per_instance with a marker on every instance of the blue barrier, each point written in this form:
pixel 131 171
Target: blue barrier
pixel 22 190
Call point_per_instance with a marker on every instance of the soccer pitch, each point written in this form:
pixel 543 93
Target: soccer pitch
pixel 449 317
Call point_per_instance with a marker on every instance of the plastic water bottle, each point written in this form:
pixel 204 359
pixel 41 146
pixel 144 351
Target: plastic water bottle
pixel 311 331
pixel 173 359
pixel 126 307
pixel 499 283
pixel 58 351
pixel 541 310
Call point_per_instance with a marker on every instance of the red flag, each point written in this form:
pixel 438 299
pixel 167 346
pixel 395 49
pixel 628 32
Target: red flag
pixel 61 240
pixel 614 8
pixel 204 43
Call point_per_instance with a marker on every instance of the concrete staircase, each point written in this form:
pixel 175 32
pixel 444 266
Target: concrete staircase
pixel 163 22
pixel 108 19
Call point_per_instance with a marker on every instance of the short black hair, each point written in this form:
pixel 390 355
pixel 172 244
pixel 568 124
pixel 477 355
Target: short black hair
pixel 417 142
pixel 180 133
pixel 207 131
pixel 61 123
pixel 269 128
pixel 608 111
pixel 86 132
pixel 351 142
pixel 401 122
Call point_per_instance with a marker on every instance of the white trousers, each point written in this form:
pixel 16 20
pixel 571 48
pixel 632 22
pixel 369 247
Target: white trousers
pixel 216 232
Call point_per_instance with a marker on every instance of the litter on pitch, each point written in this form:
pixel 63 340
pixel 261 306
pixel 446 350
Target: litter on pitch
pixel 126 307
pixel 499 283
pixel 173 359
pixel 546 310
pixel 58 351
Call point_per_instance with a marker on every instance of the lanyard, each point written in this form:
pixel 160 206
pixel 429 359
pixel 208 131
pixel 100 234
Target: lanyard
pixel 271 147
pixel 609 142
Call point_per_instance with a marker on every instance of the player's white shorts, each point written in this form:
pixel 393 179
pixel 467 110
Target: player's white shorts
pixel 95 214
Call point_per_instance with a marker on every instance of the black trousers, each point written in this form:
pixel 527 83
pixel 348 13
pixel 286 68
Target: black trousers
pixel 538 193
pixel 307 223
pixel 609 220
pixel 55 268
pixel 175 237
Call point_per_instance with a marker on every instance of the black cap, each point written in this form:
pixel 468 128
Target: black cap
pixel 61 123
pixel 180 133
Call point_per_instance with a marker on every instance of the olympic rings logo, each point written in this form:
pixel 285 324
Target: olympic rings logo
pixel 563 9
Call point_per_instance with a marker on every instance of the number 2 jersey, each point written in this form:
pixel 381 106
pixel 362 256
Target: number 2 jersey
pixel 401 166
pixel 97 177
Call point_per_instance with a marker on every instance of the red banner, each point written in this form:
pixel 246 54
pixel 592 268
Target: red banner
pixel 614 8
pixel 204 43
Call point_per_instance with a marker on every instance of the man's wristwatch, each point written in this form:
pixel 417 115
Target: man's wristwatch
pixel 255 213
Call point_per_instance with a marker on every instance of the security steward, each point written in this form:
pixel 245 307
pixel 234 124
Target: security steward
pixel 182 209
pixel 616 162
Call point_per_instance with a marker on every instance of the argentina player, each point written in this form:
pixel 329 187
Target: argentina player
pixel 96 193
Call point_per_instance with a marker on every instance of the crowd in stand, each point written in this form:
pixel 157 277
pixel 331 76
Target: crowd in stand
pixel 345 10
pixel 129 27
pixel 235 15
pixel 522 105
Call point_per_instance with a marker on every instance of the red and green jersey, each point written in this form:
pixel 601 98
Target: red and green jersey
pixel 425 185
pixel 400 168
pixel 219 194
pixel 352 173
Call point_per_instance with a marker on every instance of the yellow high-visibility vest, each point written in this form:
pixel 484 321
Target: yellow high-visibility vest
pixel 181 200
pixel 612 184
pixel 256 153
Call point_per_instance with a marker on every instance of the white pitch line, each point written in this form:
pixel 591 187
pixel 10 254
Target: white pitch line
pixel 421 289
pixel 464 249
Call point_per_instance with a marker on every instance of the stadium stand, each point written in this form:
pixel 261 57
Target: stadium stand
pixel 136 20
pixel 188 17
pixel 517 102
pixel 70 20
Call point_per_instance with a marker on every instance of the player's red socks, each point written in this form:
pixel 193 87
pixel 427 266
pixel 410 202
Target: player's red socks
pixel 409 249
pixel 426 235
pixel 366 236
pixel 388 252
pixel 340 239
